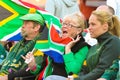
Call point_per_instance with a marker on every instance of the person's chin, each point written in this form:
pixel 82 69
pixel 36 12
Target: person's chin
pixel 64 35
pixel 23 35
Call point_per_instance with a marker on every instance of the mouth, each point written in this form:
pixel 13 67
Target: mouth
pixel 64 32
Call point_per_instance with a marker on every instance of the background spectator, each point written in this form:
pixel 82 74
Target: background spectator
pixel 115 4
pixel 60 8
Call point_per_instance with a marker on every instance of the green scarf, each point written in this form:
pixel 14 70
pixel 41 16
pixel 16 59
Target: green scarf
pixel 14 61
pixel 118 75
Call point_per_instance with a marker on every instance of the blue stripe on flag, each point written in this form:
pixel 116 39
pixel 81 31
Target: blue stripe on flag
pixel 16 37
pixel 57 57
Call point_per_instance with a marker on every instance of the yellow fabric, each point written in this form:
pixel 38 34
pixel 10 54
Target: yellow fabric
pixel 75 75
pixel 85 63
pixel 2 74
pixel 38 53
pixel 11 48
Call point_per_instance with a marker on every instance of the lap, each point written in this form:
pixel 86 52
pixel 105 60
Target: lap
pixel 55 77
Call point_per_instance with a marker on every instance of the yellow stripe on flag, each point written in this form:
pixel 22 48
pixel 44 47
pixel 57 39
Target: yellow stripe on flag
pixel 38 53
pixel 15 14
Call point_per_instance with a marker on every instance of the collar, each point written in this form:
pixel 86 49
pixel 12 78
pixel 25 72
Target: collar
pixel 103 37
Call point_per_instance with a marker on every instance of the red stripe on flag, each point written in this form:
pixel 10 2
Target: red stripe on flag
pixel 31 5
pixel 40 77
pixel 56 38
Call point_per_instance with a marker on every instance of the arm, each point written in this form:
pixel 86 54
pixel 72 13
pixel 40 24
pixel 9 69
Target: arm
pixel 111 73
pixel 73 62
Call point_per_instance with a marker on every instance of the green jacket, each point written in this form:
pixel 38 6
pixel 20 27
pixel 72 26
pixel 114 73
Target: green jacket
pixel 112 73
pixel 101 56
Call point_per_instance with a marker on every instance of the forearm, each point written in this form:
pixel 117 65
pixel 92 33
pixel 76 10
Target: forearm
pixel 111 73
pixel 20 73
pixel 74 61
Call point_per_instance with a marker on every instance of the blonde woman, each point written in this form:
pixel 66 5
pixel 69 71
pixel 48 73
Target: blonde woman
pixel 102 26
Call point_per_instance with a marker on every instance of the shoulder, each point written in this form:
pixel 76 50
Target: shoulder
pixel 1 46
pixel 114 40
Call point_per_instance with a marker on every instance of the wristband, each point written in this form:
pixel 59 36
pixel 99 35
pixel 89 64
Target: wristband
pixel 33 68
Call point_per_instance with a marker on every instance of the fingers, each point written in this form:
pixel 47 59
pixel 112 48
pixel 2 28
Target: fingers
pixel 78 38
pixel 23 57
pixel 28 55
pixel 28 60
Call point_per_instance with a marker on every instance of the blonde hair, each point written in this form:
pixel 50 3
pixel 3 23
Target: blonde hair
pixel 78 17
pixel 112 21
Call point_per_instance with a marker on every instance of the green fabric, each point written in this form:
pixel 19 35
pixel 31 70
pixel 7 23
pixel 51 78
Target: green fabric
pixel 76 60
pixel 95 53
pixel 37 70
pixel 47 72
pixel 118 73
pixel 108 53
pixel 3 54
pixel 68 61
pixel 111 73
pixel 33 17
pixel 48 69
pixel 14 60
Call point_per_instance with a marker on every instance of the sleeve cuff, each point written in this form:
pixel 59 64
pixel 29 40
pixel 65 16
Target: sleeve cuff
pixel 36 71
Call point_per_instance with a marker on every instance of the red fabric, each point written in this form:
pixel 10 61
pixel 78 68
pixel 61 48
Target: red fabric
pixel 56 38
pixel 42 73
pixel 86 10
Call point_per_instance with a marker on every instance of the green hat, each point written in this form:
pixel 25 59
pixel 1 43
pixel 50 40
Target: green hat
pixel 33 16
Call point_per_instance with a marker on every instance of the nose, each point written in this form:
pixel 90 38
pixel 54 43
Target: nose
pixel 89 28
pixel 64 26
pixel 23 26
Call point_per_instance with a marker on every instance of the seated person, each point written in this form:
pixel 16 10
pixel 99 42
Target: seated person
pixel 33 25
pixel 102 26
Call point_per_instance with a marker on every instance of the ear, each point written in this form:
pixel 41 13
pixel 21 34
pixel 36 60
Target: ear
pixel 79 30
pixel 37 27
pixel 105 25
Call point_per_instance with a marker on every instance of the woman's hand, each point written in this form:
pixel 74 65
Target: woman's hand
pixel 70 44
